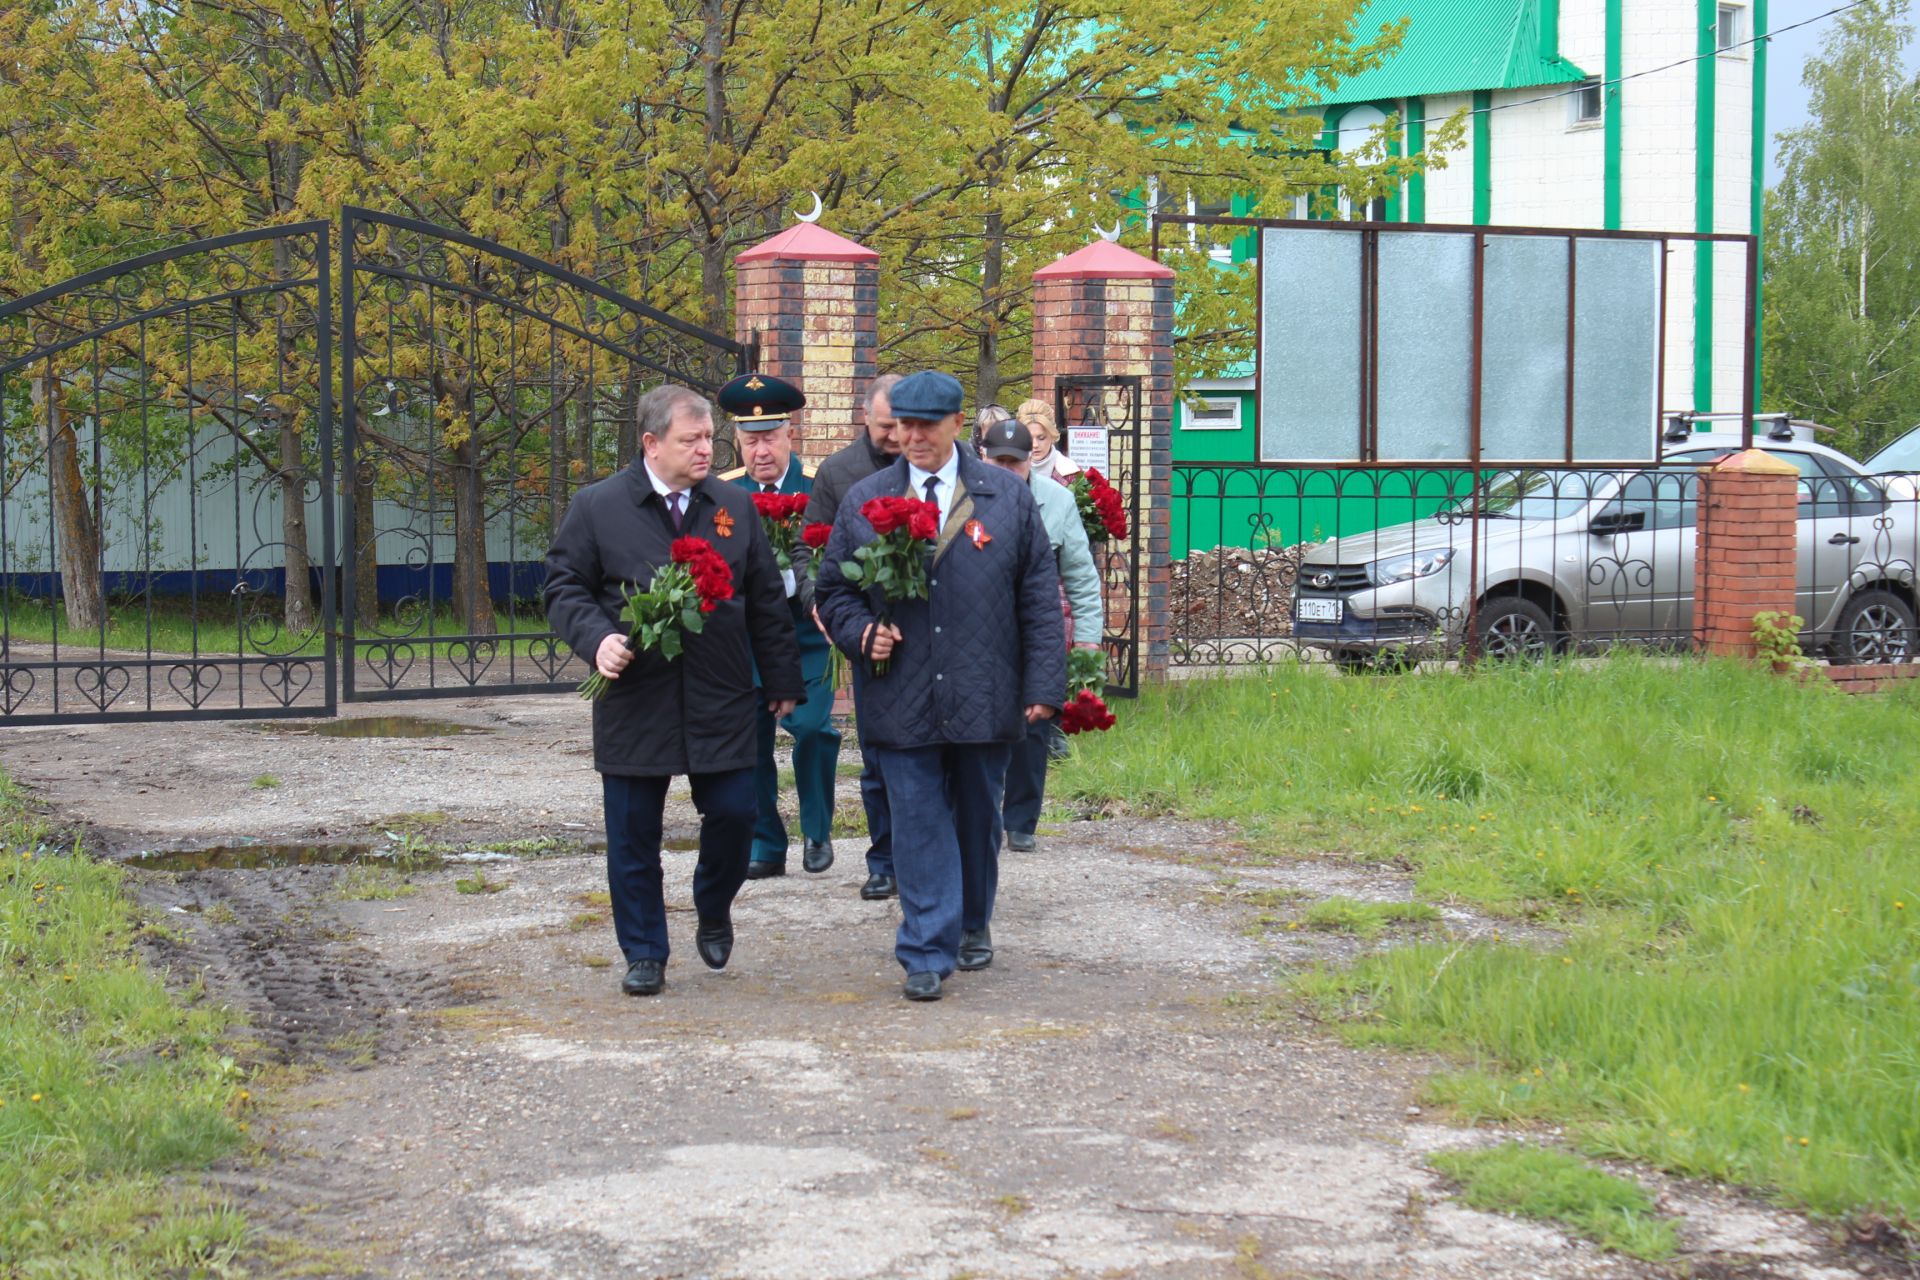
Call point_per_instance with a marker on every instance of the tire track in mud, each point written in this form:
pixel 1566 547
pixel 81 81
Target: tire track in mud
pixel 273 946
pixel 270 945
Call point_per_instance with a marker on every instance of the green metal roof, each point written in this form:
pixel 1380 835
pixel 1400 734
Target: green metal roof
pixel 1457 46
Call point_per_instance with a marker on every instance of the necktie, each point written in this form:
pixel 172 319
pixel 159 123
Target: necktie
pixel 933 490
pixel 769 488
pixel 673 509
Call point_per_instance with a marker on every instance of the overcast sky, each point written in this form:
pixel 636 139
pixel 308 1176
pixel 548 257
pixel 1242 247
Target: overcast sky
pixel 1786 96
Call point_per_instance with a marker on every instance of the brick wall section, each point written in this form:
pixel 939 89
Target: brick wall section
pixel 1870 678
pixel 812 297
pixel 1744 548
pixel 1108 310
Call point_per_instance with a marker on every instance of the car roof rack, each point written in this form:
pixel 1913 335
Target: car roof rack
pixel 1775 426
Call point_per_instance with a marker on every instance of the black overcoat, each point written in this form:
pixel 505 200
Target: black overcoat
pixel 695 714
pixel 989 641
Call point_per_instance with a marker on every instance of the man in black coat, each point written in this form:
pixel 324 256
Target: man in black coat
pixel 970 667
pixel 875 450
pixel 695 715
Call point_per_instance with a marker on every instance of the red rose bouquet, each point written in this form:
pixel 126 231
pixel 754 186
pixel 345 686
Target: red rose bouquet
pixel 780 515
pixel 1086 711
pixel 895 562
pixel 815 537
pixel 683 592
pixel 1102 510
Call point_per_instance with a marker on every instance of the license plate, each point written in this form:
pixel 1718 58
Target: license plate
pixel 1316 610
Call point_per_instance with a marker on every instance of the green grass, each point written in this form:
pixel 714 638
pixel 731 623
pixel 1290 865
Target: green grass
pixel 1731 856
pixel 1368 919
pixel 1539 1182
pixel 478 883
pixel 174 626
pixel 369 883
pixel 265 781
pixel 108 1086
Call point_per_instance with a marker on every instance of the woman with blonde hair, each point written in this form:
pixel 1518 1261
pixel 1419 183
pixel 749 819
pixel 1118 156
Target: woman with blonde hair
pixel 1048 460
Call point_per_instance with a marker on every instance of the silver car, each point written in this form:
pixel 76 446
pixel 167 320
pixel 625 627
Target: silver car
pixel 1585 559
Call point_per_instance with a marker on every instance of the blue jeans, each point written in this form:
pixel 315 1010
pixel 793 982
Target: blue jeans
pixel 945 804
pixel 633 810
pixel 816 756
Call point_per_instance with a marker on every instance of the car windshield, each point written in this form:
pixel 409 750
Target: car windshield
pixel 1902 455
pixel 1543 495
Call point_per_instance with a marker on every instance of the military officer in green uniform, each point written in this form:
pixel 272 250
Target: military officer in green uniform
pixel 762 406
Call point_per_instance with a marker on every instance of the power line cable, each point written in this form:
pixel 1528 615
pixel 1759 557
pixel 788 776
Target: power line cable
pixel 1585 85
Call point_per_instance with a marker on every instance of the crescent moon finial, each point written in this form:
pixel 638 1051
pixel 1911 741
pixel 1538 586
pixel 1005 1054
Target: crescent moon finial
pixel 818 209
pixel 1113 236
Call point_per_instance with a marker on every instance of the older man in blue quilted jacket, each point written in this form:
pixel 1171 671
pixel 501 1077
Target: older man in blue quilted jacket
pixel 969 669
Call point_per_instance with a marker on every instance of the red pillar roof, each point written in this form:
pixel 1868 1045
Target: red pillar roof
pixel 808 242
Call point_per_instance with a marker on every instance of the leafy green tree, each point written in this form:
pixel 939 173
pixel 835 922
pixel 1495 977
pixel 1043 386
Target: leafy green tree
pixel 1843 239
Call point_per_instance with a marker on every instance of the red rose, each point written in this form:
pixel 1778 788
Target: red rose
pixel 882 513
pixel 816 535
pixel 771 506
pixel 924 525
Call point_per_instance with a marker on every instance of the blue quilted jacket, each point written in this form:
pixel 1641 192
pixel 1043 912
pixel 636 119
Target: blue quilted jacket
pixel 988 643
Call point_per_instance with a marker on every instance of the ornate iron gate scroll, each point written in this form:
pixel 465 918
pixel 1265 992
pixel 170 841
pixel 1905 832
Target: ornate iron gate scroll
pixel 1113 403
pixel 166 450
pixel 482 386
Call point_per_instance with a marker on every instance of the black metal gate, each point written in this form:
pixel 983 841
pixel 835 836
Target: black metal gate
pixel 1112 404
pixel 173 527
pixel 482 387
pixel 166 445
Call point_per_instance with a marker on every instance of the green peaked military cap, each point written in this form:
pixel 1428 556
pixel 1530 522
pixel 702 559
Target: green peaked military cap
pixel 760 401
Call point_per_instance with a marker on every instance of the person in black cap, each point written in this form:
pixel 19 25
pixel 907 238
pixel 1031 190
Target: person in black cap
pixel 875 450
pixel 693 714
pixel 969 668
pixel 1009 446
pixel 762 405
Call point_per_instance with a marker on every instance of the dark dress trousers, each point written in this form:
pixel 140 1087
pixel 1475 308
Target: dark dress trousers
pixel 696 715
pixel 988 643
pixel 831 480
pixel 816 743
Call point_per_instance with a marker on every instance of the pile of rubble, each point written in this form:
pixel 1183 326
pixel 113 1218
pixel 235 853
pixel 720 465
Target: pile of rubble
pixel 1233 592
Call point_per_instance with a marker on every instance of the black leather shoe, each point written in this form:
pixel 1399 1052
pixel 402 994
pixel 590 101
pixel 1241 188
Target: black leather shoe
pixel 818 856
pixel 765 870
pixel 878 887
pixel 922 986
pixel 1020 841
pixel 714 942
pixel 644 978
pixel 976 948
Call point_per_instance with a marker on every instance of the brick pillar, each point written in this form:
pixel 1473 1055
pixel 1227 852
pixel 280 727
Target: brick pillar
pixel 1745 541
pixel 812 297
pixel 1108 310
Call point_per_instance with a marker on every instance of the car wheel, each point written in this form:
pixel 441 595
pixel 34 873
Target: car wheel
pixel 1876 626
pixel 1515 629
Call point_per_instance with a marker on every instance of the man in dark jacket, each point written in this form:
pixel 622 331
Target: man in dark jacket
pixel 874 450
pixel 969 668
pixel 694 715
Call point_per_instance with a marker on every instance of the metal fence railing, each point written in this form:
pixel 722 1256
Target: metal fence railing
pixel 1382 566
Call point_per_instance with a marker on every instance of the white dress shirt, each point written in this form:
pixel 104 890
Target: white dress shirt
pixel 662 488
pixel 948 474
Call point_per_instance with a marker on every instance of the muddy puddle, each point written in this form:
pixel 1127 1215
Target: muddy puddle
pixel 373 727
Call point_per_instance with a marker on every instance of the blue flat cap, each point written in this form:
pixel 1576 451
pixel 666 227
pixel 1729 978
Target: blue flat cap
pixel 928 395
